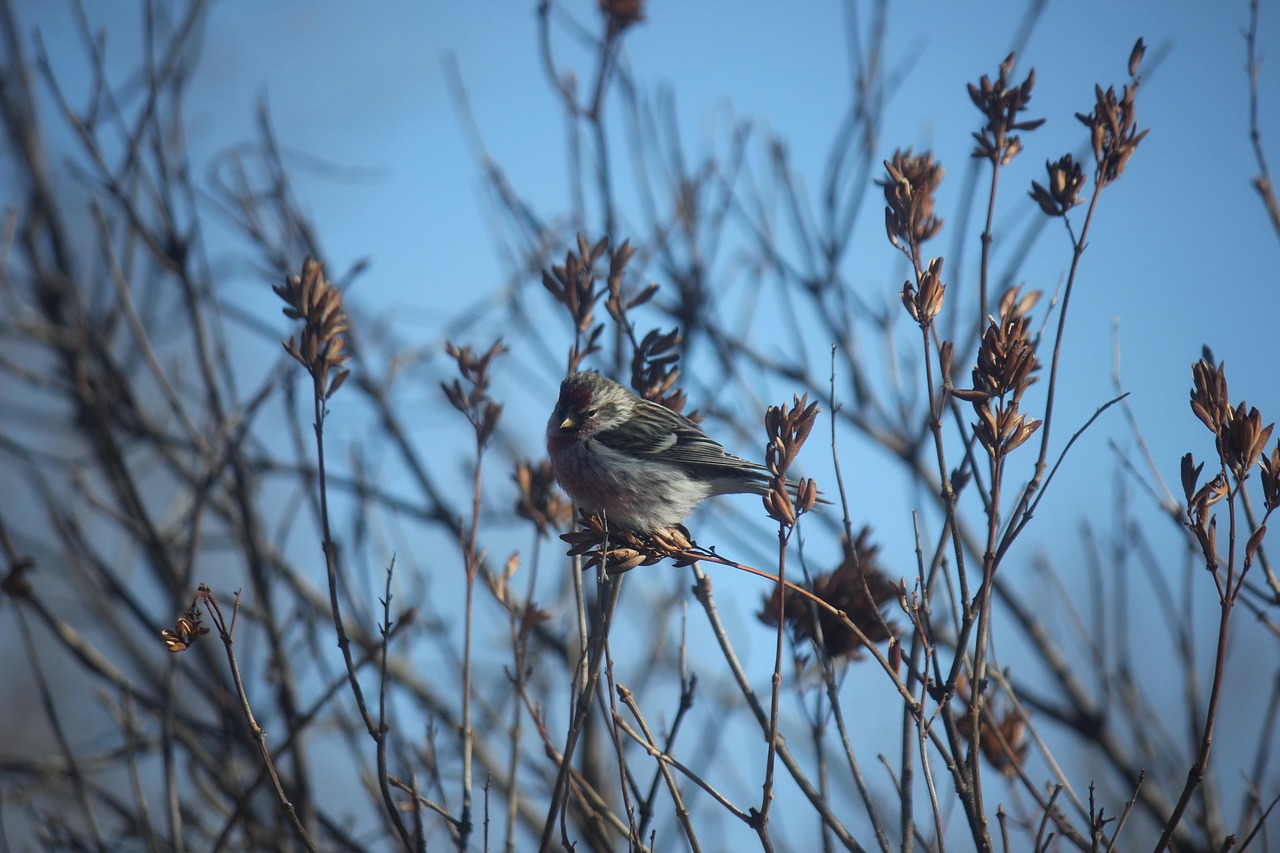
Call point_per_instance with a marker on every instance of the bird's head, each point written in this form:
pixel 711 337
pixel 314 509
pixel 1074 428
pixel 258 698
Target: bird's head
pixel 589 403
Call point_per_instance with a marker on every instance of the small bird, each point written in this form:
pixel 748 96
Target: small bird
pixel 646 466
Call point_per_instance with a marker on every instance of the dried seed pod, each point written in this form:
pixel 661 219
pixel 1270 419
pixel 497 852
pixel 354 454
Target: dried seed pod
pixel 184 632
pixel 857 587
pixel 1005 366
pixel 1135 56
pixel 1255 541
pixel 1001 104
pixel 1113 125
pixel 623 550
pixel 311 298
pixel 474 401
pixel 1270 466
pixel 1245 439
pixel 1066 180
pixel 787 429
pixel 1209 399
pixel 540 500
pixel 1190 475
pixel 1003 735
pixel 909 196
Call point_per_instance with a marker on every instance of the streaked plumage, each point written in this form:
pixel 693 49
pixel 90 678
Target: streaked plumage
pixel 646 466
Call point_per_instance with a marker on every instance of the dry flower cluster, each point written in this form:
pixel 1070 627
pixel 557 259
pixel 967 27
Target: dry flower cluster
pixel 858 587
pixel 1006 366
pixel 311 298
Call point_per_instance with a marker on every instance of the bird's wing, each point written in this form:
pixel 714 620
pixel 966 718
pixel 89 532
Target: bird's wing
pixel 658 432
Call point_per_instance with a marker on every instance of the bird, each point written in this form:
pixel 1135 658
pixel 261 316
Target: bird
pixel 646 466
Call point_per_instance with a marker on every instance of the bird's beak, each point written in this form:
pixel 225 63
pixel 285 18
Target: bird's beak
pixel 568 423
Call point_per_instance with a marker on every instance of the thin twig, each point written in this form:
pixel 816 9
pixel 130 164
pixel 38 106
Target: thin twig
pixel 226 634
pixel 682 811
pixel 1262 183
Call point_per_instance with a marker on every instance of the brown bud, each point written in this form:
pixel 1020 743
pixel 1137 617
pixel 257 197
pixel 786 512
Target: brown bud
pixel 1190 475
pixel 1270 466
pixel 1254 541
pixel 779 509
pixel 1135 57
pixel 945 355
pixel 909 300
pixel 806 494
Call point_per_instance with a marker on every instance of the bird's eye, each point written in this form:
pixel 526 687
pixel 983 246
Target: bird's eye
pixel 589 413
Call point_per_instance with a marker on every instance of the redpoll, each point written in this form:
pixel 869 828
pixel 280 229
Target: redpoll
pixel 646 466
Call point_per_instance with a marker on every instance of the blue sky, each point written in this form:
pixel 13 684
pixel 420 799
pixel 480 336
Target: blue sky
pixel 1180 253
